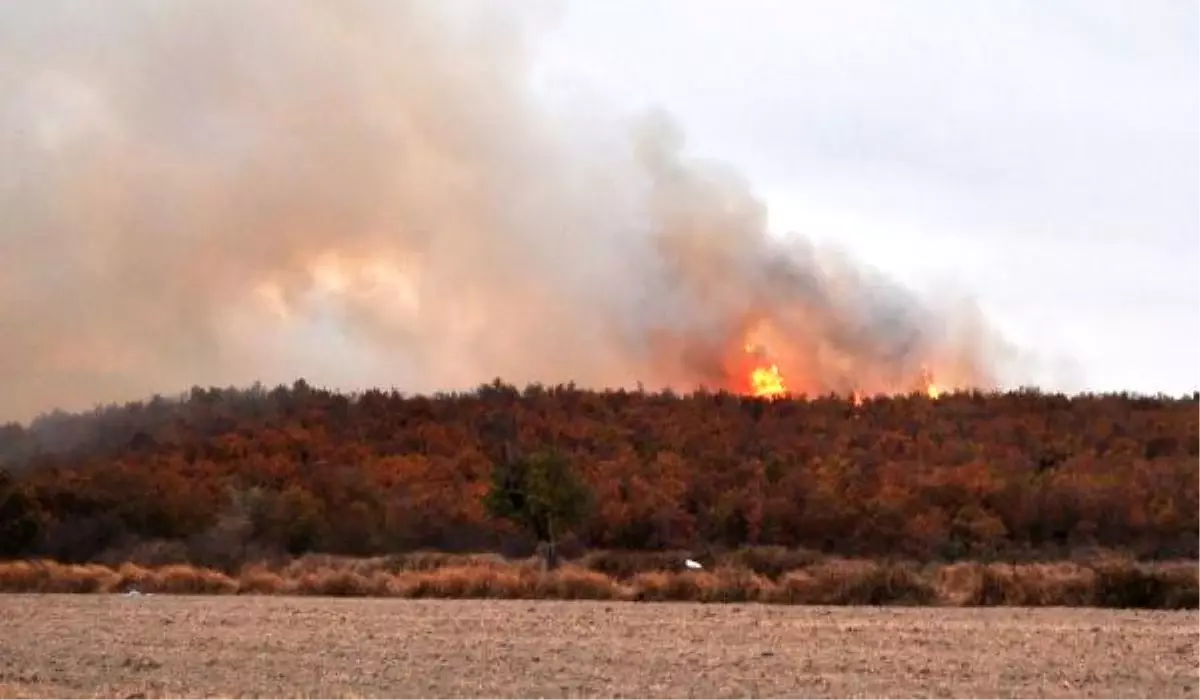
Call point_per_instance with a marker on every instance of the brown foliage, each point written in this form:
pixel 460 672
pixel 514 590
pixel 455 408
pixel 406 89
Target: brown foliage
pixel 771 562
pixel 846 582
pixel 52 577
pixel 625 565
pixel 225 477
pixel 1112 583
pixel 974 584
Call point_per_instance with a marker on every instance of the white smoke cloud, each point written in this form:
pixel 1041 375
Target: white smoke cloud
pixel 373 193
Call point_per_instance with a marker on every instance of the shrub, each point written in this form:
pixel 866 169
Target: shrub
pixel 1112 582
pixel 861 582
pixel 1131 585
pixel 625 565
pixel 772 562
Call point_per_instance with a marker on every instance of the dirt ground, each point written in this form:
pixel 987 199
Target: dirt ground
pixel 147 646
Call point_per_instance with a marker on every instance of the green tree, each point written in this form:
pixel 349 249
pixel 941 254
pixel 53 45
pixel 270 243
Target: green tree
pixel 296 520
pixel 21 517
pixel 542 494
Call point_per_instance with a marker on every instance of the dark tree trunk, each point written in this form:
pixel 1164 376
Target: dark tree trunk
pixel 551 548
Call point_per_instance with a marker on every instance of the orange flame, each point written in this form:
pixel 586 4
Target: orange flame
pixel 767 382
pixel 932 389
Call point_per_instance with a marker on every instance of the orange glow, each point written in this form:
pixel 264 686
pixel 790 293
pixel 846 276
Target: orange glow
pixel 931 387
pixel 754 369
pixel 767 382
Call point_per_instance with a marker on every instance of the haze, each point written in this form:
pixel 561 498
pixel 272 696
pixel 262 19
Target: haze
pixel 428 196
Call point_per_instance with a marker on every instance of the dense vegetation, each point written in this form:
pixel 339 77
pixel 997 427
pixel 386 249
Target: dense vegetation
pixel 764 575
pixel 221 477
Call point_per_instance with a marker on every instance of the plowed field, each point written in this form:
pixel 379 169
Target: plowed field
pixel 112 645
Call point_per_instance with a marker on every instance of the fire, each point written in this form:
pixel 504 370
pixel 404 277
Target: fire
pixel 764 379
pixel 767 382
pixel 931 388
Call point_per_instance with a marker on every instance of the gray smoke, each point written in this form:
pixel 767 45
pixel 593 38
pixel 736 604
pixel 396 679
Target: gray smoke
pixel 361 193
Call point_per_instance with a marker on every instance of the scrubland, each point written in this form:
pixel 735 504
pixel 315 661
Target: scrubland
pixel 741 577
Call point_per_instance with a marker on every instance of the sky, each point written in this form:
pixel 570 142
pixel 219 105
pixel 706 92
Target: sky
pixel 868 195
pixel 1040 158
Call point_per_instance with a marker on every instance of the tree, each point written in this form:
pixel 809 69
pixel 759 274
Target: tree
pixel 542 494
pixel 21 518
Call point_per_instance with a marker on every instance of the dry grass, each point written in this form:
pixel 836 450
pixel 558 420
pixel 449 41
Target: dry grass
pixel 163 646
pixel 1106 583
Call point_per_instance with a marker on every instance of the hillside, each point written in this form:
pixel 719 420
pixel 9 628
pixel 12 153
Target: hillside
pixel 219 477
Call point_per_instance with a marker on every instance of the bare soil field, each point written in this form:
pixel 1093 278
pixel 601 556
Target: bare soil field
pixel 148 646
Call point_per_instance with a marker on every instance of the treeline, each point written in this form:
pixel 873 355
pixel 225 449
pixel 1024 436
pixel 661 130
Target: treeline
pixel 221 477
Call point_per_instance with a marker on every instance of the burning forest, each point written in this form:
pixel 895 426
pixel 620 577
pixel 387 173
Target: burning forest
pixel 217 193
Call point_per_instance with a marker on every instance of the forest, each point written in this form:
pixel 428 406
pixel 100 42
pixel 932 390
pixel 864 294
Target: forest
pixel 221 477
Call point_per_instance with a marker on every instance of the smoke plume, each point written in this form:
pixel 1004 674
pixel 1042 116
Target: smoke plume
pixel 359 193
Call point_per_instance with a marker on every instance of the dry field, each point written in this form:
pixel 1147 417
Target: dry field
pixel 147 646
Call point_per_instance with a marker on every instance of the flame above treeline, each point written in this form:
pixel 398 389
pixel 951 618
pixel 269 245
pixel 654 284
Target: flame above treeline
pixel 778 354
pixel 766 381
pixel 365 194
